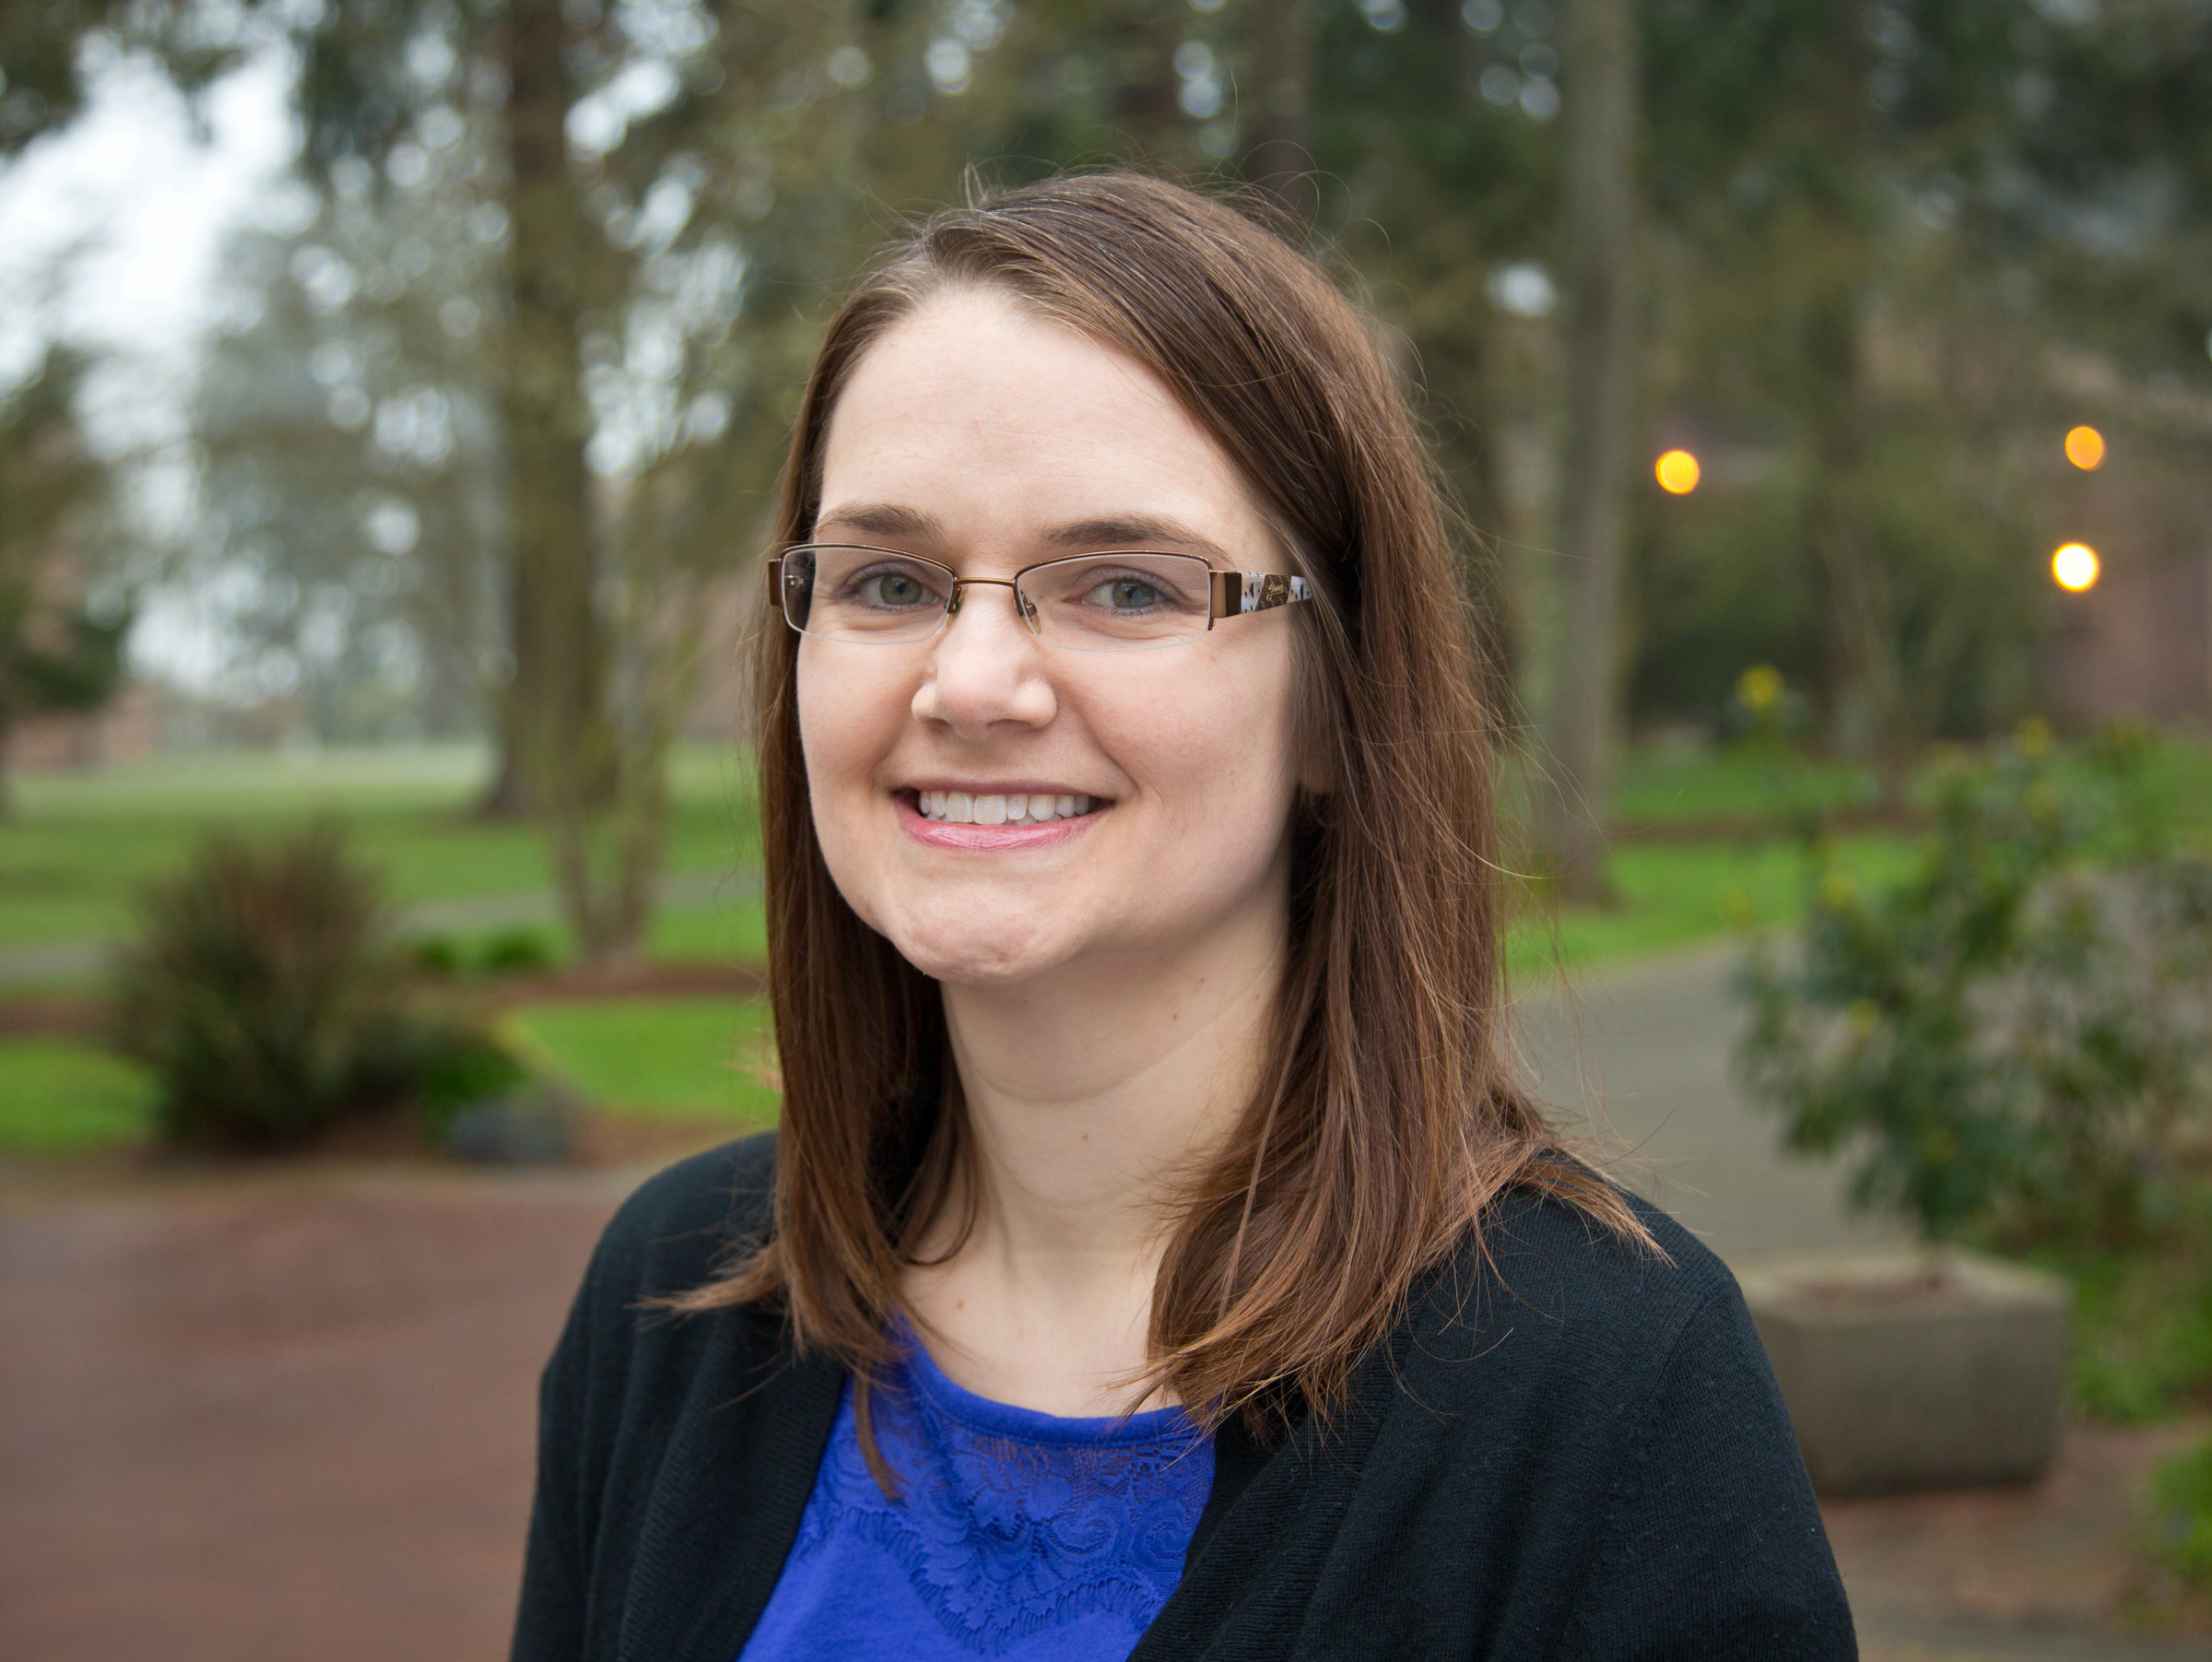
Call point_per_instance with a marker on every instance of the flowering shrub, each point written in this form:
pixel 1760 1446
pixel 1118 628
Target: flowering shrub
pixel 2015 1043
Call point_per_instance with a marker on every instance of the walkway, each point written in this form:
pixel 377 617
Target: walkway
pixel 1638 1057
pixel 288 1415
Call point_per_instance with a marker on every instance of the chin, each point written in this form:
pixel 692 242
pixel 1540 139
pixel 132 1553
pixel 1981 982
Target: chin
pixel 976 946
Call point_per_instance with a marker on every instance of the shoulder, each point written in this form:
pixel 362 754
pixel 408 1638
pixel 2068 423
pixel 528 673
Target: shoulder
pixel 682 1224
pixel 1567 1311
pixel 1618 1405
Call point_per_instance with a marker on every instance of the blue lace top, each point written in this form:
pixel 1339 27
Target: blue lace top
pixel 1016 1532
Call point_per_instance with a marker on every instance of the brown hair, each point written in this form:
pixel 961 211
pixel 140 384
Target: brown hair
pixel 1386 1118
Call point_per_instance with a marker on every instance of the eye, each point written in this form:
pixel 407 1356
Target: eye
pixel 1125 595
pixel 890 588
pixel 896 588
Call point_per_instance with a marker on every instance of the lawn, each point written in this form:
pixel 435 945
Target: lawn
pixel 80 846
pixel 69 861
pixel 1675 894
pixel 58 1096
pixel 698 1058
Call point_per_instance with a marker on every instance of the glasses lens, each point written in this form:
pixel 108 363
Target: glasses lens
pixel 1106 600
pixel 863 593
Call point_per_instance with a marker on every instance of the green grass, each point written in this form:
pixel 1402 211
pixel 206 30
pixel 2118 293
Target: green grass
pixel 81 847
pixel 702 1058
pixel 82 844
pixel 728 930
pixel 1675 894
pixel 1660 787
pixel 58 1096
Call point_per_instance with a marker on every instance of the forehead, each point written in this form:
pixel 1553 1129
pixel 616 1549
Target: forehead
pixel 983 415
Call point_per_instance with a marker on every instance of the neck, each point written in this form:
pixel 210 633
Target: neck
pixel 1089 1094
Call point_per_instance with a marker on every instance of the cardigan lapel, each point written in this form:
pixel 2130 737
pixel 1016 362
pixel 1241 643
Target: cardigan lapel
pixel 725 1505
pixel 1270 1524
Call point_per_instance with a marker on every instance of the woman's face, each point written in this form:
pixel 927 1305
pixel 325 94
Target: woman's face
pixel 981 437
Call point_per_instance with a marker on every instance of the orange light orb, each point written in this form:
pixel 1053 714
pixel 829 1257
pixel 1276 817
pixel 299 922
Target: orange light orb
pixel 1679 472
pixel 2075 567
pixel 2085 448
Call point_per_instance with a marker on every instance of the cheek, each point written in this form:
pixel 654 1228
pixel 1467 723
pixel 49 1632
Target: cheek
pixel 850 716
pixel 1217 751
pixel 848 712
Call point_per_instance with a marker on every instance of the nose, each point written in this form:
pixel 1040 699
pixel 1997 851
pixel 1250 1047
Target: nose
pixel 986 667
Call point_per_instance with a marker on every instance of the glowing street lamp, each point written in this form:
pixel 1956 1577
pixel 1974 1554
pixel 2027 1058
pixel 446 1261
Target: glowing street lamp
pixel 2085 448
pixel 2075 567
pixel 1678 471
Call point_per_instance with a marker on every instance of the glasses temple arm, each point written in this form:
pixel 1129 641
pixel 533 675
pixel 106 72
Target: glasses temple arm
pixel 1236 593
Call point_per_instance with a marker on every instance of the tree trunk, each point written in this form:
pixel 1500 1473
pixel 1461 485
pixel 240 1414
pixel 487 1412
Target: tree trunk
pixel 1281 163
pixel 1598 76
pixel 562 754
pixel 557 653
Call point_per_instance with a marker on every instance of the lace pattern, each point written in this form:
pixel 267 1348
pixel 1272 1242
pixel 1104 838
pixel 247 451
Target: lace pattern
pixel 1012 1523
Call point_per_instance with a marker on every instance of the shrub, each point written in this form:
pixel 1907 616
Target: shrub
pixel 2182 1507
pixel 2014 1043
pixel 518 952
pixel 469 1068
pixel 266 995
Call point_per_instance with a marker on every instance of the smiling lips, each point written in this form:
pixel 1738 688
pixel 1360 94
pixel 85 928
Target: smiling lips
pixel 963 808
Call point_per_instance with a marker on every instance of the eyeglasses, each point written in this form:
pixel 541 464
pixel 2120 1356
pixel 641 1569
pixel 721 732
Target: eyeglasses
pixel 1110 602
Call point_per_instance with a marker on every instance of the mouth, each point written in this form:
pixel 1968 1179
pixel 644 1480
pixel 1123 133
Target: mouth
pixel 1009 807
pixel 996 821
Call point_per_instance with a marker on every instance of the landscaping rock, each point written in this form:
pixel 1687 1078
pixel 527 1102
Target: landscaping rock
pixel 535 1126
pixel 1910 1370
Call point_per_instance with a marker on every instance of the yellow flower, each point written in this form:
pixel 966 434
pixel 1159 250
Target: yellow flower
pixel 1759 688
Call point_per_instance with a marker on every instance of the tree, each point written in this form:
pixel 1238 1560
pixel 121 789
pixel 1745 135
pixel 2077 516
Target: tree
pixel 56 653
pixel 655 170
pixel 1600 80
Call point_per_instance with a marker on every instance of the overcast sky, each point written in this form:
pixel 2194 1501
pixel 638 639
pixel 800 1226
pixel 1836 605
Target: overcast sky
pixel 112 235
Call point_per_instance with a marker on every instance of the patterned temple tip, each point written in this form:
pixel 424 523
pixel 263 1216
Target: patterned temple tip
pixel 1239 591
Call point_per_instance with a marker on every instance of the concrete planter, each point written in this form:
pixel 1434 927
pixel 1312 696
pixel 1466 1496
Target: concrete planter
pixel 1914 1370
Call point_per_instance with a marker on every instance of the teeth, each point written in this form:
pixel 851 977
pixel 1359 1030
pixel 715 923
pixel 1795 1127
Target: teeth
pixel 959 807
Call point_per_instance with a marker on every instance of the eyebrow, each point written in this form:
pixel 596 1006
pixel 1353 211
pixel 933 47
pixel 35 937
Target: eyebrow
pixel 884 519
pixel 1102 534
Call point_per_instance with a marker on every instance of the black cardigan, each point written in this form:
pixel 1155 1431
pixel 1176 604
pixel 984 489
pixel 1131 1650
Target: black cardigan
pixel 1576 1452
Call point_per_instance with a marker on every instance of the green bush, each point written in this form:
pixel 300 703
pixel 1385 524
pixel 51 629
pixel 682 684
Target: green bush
pixel 2015 1044
pixel 518 952
pixel 469 1068
pixel 264 992
pixel 2182 1510
pixel 521 951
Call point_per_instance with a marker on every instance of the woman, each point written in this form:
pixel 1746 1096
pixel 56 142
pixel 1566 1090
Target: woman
pixel 1156 1253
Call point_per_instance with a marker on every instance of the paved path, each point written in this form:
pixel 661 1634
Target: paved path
pixel 288 1415
pixel 1639 1056
pixel 279 1419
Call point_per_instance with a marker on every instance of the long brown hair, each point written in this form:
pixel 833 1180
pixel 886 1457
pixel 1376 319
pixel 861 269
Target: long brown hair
pixel 1386 1118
